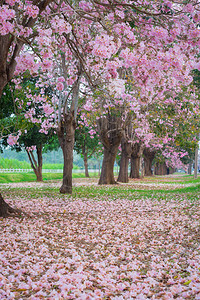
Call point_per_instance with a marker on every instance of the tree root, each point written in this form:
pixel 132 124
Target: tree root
pixel 7 211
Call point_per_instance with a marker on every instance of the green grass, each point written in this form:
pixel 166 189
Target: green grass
pixel 182 179
pixel 102 193
pixel 6 163
pixel 26 177
pixel 29 177
pixel 118 191
pixel 113 192
pixel 127 191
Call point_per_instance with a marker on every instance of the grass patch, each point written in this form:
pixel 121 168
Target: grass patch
pixel 182 179
pixel 30 177
pixel 16 177
pixel 106 192
pixel 103 193
pixel 127 191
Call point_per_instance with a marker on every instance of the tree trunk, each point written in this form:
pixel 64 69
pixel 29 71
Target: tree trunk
pixel 66 132
pixel 148 160
pixel 190 169
pixel 99 168
pixel 196 162
pixel 4 207
pixel 125 156
pixel 123 170
pixel 107 174
pixel 172 170
pixel 110 134
pixel 160 169
pixel 135 167
pixel 148 166
pixel 6 210
pixel 38 174
pixel 135 160
pixel 7 70
pixel 86 165
pixel 39 168
pixel 6 73
pixel 36 165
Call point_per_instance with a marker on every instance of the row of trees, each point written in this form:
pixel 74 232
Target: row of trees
pixel 130 62
pixel 87 144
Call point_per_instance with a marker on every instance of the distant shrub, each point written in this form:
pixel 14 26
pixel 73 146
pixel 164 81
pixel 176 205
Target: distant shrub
pixel 6 163
pixel 12 163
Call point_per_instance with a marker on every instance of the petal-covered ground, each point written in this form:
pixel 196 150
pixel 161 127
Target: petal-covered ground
pixel 134 183
pixel 142 247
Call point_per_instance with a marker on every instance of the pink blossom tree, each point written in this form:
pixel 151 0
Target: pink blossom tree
pixel 176 127
pixel 106 41
pixel 120 65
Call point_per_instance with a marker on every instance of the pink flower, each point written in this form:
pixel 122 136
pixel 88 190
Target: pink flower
pixel 61 79
pixel 12 139
pixel 32 11
pixel 11 2
pixel 60 25
pixel 60 86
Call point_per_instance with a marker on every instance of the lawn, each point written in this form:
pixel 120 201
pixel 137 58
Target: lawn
pixel 139 240
pixel 29 177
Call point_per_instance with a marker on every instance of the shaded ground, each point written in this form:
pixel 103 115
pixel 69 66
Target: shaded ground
pixel 117 244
